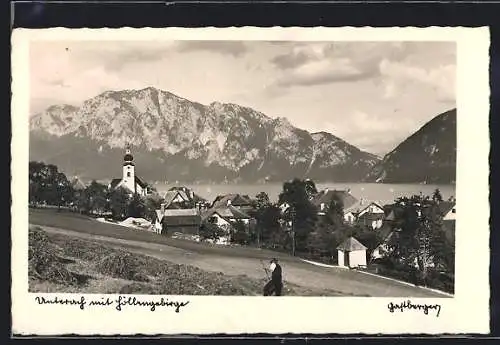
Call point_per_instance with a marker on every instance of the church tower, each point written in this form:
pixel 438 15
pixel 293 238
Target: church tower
pixel 128 179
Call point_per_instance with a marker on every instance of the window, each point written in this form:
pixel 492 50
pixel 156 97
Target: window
pixel 128 173
pixel 453 211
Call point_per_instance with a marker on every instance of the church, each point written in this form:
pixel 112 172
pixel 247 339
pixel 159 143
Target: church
pixel 129 180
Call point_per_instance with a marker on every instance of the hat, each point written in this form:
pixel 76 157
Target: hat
pixel 274 260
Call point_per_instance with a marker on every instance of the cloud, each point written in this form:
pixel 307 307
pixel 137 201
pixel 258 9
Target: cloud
pixel 324 72
pixel 324 63
pixel 441 79
pixel 234 48
pixel 370 132
pixel 300 55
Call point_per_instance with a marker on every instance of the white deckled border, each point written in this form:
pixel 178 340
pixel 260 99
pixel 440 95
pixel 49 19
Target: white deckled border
pixel 467 312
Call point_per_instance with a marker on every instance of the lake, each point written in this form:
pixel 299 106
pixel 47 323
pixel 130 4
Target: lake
pixel 385 193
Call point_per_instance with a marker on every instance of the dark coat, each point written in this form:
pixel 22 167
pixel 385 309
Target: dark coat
pixel 276 275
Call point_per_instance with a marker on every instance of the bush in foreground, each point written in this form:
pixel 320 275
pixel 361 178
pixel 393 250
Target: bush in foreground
pixel 45 261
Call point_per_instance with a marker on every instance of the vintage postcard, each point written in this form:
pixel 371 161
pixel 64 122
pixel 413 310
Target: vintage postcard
pixel 250 180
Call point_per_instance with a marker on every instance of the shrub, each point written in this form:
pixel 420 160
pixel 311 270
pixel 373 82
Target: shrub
pixel 45 262
pixel 119 265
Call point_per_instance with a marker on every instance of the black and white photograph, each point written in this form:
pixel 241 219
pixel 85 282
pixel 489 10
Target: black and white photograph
pixel 269 167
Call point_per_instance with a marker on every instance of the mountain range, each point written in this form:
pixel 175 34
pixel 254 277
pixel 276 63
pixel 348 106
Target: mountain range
pixel 427 156
pixel 175 139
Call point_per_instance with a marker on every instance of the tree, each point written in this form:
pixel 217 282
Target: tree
pixel 334 216
pixel 267 225
pixel 97 197
pixel 151 204
pixel 210 231
pixel 436 196
pixel 48 185
pixel 310 188
pixel 421 239
pixel 301 213
pixel 118 203
pixel 136 207
pixel 239 233
pixel 262 200
pixel 322 241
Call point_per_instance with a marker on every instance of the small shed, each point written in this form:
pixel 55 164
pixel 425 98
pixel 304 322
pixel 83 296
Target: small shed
pixel 351 253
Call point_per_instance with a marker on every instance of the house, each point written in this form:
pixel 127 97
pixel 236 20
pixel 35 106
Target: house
pixel 351 253
pixel 182 197
pixel 77 184
pixel 129 179
pixel 323 199
pixel 174 199
pixel 448 210
pixel 226 216
pixel 168 221
pixel 361 211
pixel 369 213
pixel 385 234
pixel 241 202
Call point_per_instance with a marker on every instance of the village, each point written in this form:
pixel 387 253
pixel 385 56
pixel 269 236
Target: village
pixel 330 227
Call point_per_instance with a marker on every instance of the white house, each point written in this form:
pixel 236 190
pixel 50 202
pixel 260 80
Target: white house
pixel 129 180
pixel 225 216
pixel 351 253
pixel 383 248
pixel 448 210
pixel 369 213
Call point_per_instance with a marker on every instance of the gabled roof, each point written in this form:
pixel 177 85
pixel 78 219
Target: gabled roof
pixel 140 182
pixel 350 245
pixel 171 195
pixel 236 200
pixel 114 182
pixel 383 232
pixel 326 196
pixel 228 212
pixel 77 184
pixel 179 217
pixel 185 193
pixel 446 206
pixel 361 205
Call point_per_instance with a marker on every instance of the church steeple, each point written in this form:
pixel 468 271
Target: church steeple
pixel 128 158
pixel 129 170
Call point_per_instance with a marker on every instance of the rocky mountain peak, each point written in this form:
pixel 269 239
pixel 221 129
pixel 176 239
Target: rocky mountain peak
pixel 181 139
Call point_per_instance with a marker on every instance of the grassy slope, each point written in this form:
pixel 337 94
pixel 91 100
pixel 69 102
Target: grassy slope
pixel 61 263
pixel 231 261
pixel 80 223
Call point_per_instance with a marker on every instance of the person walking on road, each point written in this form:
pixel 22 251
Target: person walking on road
pixel 275 285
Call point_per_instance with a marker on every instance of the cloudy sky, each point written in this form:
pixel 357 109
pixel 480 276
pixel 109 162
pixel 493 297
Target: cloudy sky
pixel 371 94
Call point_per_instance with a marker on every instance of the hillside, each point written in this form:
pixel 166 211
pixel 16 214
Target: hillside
pixel 177 139
pixel 427 156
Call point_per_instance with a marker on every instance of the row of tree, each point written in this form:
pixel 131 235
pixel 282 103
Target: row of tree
pixel 48 186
